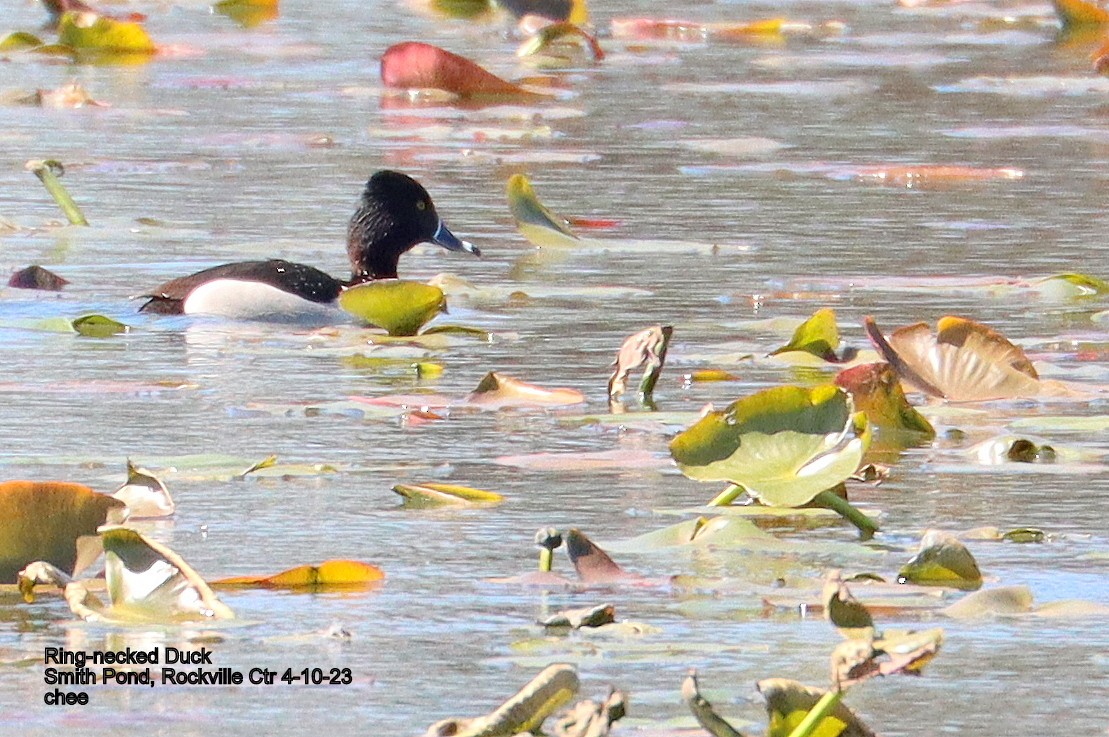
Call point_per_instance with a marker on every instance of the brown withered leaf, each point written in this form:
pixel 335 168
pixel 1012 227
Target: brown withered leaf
pixel 590 719
pixel 36 277
pixel 703 711
pixel 645 348
pixel 855 661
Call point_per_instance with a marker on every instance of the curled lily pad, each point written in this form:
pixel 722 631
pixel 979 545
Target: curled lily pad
pixel 554 687
pixel 99 326
pixel 560 32
pixel 36 277
pixel 499 390
pixel 541 227
pixel 645 348
pixel 413 65
pixel 438 495
pixel 1071 286
pixel 818 336
pixel 342 574
pixel 52 521
pixel 89 32
pixel 144 494
pixel 963 361
pixel 942 561
pixel 703 711
pixel 789 702
pixel 876 390
pixel 398 307
pixel 784 445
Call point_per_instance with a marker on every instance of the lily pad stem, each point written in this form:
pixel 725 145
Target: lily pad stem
pixel 823 708
pixel 545 560
pixel 727 496
pixel 48 172
pixel 867 527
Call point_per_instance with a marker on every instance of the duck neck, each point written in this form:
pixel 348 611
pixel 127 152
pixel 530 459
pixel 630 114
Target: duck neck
pixel 372 256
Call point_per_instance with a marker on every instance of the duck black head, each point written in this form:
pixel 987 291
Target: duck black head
pixel 394 214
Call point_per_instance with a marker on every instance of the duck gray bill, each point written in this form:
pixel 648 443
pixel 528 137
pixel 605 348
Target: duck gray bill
pixel 448 240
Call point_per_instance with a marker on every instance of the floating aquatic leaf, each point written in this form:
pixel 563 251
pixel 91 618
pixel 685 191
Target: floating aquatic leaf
pixel 924 176
pixel 784 445
pixel 90 32
pixel 593 719
pixel 818 336
pixel 248 13
pixel 595 616
pixel 50 521
pixel 498 390
pixel 462 9
pixel 541 227
pixel 642 29
pixel 858 660
pixel 571 11
pixel 437 495
pixel 36 277
pixel 400 308
pixel 703 711
pixel 560 32
pixel 98 326
pixel 144 494
pixel 20 41
pixel 789 702
pixel 331 574
pixel 593 565
pixel 1070 286
pixel 1078 14
pixel 524 712
pixel 149 582
pixel 645 348
pixel 850 618
pixel 942 561
pixel 963 361
pixel 876 390
pixel 990 602
pixel 414 65
pixel 706 375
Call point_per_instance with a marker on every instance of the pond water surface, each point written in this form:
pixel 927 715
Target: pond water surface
pixel 733 170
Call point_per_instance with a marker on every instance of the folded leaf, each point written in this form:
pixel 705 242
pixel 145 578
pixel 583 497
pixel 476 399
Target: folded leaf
pixel 398 307
pixel 942 561
pixel 818 336
pixel 144 494
pixel 498 390
pixel 541 227
pixel 436 495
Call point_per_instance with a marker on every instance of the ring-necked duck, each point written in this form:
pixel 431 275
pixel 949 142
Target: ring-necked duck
pixel 394 214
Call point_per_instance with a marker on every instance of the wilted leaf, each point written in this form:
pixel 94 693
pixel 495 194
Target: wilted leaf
pixel 71 95
pixel 149 582
pixel 36 277
pixel 560 32
pixel 789 702
pixel 498 390
pixel 398 307
pixel 49 521
pixel 144 494
pixel 595 616
pixel 97 33
pixel 541 227
pixel 591 719
pixel 784 445
pixel 858 660
pixel 844 611
pixel 412 65
pixel 524 712
pixel 593 565
pixel 645 348
pixel 327 575
pixel 703 711
pixel 99 326
pixel 818 336
pixel 963 361
pixel 942 561
pixel 248 13
pixel 876 390
pixel 438 495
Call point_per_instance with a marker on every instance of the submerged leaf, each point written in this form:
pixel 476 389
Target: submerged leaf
pixel 541 227
pixel 86 31
pixel 329 574
pixel 554 687
pixel 789 702
pixel 49 521
pixel 399 307
pixel 942 561
pixel 645 348
pixel 499 390
pixel 437 495
pixel 36 277
pixel 413 65
pixel 784 445
pixel 963 361
pixel 818 336
pixel 876 390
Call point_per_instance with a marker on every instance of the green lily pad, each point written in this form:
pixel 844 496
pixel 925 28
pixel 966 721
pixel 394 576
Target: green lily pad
pixel 817 336
pixel 1071 286
pixel 20 41
pixel 541 227
pixel 942 561
pixel 97 33
pixel 98 326
pixel 784 445
pixel 400 308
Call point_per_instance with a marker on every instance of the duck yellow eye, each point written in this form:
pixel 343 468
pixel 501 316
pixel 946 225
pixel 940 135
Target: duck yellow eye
pixel 421 205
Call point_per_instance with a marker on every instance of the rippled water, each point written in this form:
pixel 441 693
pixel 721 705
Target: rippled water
pixel 240 144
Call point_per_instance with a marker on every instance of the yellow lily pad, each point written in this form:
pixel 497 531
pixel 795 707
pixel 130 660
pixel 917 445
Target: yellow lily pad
pixel 97 33
pixel 329 574
pixel 818 336
pixel 942 561
pixel 52 521
pixel 248 13
pixel 400 308
pixel 438 495
pixel 20 41
pixel 541 227
pixel 789 702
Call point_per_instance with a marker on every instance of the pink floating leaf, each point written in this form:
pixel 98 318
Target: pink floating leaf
pixel 414 65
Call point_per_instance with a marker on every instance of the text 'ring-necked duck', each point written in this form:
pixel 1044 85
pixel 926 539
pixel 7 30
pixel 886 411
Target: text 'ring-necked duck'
pixel 394 214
